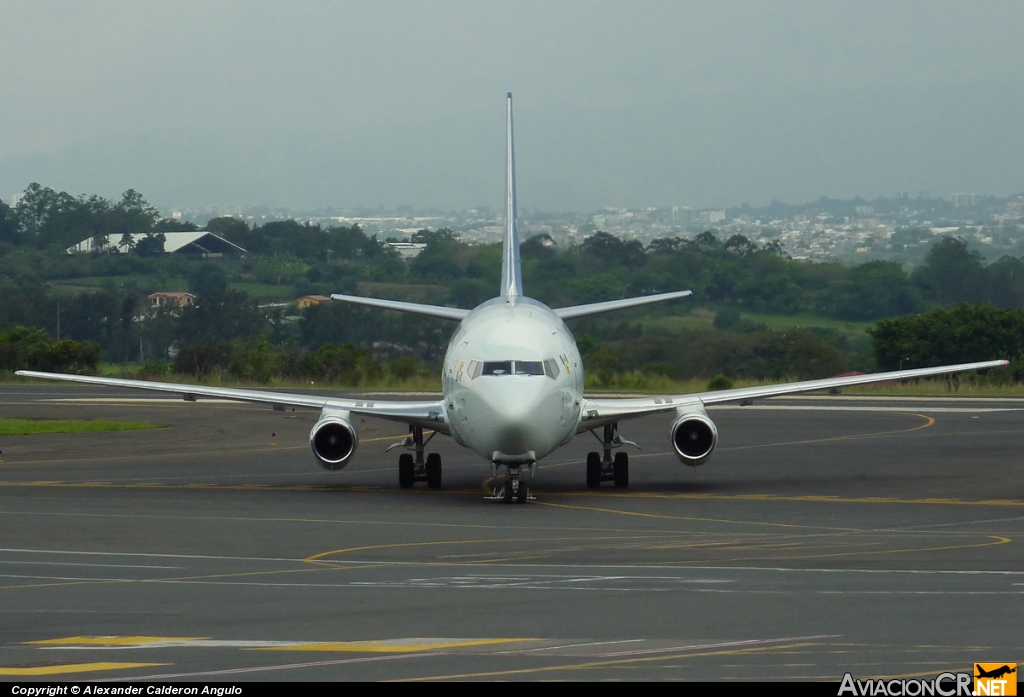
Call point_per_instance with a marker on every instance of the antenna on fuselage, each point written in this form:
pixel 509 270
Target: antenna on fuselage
pixel 511 269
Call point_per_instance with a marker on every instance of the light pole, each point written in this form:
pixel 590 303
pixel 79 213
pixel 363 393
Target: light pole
pixel 901 362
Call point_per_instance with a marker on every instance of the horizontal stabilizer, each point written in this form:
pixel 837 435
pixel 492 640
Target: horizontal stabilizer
pixel 453 313
pixel 598 308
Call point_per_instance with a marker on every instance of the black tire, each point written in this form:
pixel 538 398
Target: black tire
pixel 506 493
pixel 524 493
pixel 434 470
pixel 406 470
pixel 620 470
pixel 593 470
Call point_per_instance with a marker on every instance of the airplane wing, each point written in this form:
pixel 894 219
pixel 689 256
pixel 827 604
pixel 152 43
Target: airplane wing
pixel 600 412
pixel 453 313
pixel 427 414
pixel 598 308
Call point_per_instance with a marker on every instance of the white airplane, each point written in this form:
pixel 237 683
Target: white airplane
pixel 513 388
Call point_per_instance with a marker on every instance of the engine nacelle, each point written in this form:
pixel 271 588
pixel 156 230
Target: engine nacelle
pixel 693 435
pixel 333 439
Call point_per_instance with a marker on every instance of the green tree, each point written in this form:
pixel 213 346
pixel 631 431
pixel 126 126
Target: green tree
pixel 222 318
pixel 961 334
pixel 538 247
pixel 1006 278
pixel 875 290
pixel 345 364
pixel 610 250
pixel 255 361
pixel 440 236
pixel 151 245
pixel 952 273
pixel 208 279
pixel 666 245
pixel 132 215
pixel 231 229
pixel 100 243
pixel 403 368
pixel 470 292
pixel 741 245
pixel 127 241
pixel 30 348
pixel 9 232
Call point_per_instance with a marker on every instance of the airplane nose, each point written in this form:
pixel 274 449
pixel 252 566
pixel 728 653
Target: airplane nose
pixel 522 422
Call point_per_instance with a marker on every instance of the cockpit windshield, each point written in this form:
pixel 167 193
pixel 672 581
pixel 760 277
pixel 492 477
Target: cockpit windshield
pixel 529 368
pixel 497 367
pixel 513 368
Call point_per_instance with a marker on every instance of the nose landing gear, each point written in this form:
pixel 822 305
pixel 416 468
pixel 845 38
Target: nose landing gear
pixel 514 490
pixel 602 467
pixel 415 469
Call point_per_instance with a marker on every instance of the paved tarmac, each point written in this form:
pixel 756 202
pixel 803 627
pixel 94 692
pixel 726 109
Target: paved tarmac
pixel 877 536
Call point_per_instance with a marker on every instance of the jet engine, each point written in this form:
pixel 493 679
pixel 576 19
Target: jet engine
pixel 333 439
pixel 694 436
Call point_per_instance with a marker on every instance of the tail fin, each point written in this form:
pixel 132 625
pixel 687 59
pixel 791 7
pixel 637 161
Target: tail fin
pixel 511 269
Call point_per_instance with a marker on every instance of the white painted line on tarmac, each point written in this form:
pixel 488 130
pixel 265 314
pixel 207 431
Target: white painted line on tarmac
pixel 286 666
pixel 71 563
pixel 719 645
pixel 928 526
pixel 137 400
pixel 519 567
pixel 399 585
pixel 571 646
pixel 775 569
pixel 897 398
pixel 68 578
pixel 907 408
pixel 178 643
pixel 366 646
pixel 144 554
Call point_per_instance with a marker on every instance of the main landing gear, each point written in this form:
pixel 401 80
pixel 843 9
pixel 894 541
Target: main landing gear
pixel 412 469
pixel 602 467
pixel 514 490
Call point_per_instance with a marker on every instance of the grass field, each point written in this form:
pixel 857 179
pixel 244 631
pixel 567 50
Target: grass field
pixel 265 291
pixel 136 371
pixel 637 382
pixel 631 382
pixel 403 291
pixel 144 283
pixel 26 427
pixel 695 321
pixel 805 320
pixel 704 317
pixel 149 284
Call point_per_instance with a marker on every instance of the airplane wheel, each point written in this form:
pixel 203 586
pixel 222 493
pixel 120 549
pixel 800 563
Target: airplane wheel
pixel 433 470
pixel 593 470
pixel 406 471
pixel 524 492
pixel 506 493
pixel 620 470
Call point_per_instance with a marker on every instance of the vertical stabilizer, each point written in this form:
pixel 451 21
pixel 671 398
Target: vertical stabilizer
pixel 511 270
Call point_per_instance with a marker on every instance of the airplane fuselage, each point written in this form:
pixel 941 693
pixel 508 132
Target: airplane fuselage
pixel 513 381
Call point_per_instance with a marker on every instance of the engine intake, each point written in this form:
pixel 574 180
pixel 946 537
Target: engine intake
pixel 333 440
pixel 694 437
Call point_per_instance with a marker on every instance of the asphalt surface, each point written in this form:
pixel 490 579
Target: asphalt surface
pixel 877 536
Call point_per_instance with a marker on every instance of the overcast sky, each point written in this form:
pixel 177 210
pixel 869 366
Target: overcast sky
pixel 307 104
